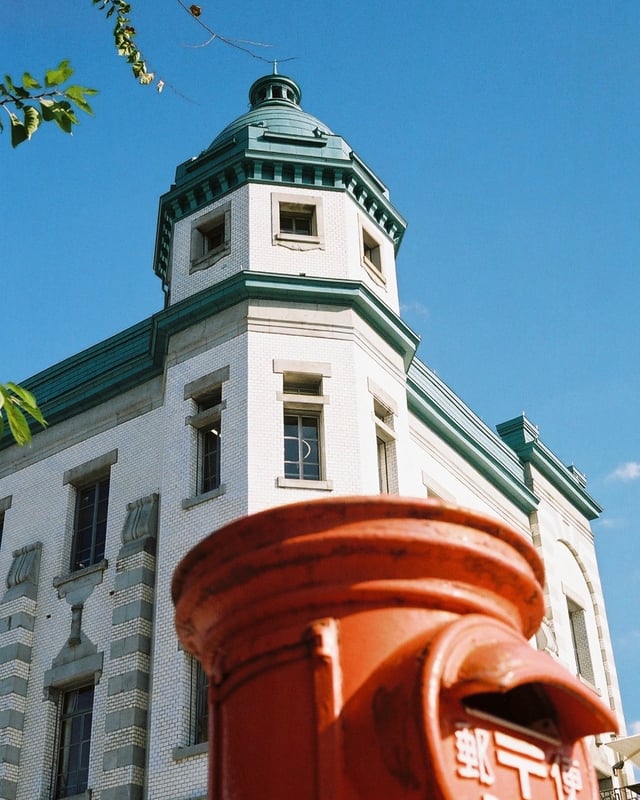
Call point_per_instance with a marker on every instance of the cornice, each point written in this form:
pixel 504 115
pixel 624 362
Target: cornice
pixel 137 354
pixel 521 435
pixel 319 163
pixel 433 402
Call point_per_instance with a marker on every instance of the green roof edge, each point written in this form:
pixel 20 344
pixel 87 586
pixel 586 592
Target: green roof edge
pixel 433 402
pixel 522 435
pixel 137 354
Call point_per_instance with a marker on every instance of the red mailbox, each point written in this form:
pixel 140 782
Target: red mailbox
pixel 377 648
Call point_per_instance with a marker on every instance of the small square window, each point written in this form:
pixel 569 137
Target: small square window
pixel 297 219
pixel 210 238
pixel 301 384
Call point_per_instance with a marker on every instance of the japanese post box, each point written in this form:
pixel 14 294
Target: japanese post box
pixel 378 648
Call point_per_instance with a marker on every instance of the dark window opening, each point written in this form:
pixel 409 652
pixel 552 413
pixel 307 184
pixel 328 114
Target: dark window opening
pixel 302 385
pixel 371 251
pixel 210 435
pixel 90 526
pixel 214 236
pixel 199 703
pixel 72 774
pixel 299 222
pixel 383 466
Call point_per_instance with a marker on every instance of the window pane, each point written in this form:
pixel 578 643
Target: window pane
pixel 199 703
pixel 75 742
pixel 210 444
pixel 90 526
pixel 291 449
pixel 301 447
pixel 298 221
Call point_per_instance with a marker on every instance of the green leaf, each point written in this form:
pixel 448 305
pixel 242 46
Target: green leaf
pixel 31 120
pixel 9 82
pixel 46 107
pixel 24 394
pixel 54 77
pixel 30 82
pixel 18 131
pixel 76 95
pixel 64 117
pixel 17 423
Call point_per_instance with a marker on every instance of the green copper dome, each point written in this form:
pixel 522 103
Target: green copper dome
pixel 275 106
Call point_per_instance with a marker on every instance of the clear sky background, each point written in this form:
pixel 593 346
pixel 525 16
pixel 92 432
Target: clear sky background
pixel 508 134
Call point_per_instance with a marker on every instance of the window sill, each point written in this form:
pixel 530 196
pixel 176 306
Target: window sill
pixel 297 241
pixel 374 272
pixel 86 795
pixel 86 577
pixel 189 502
pixel 300 483
pixel 208 260
pixel 187 751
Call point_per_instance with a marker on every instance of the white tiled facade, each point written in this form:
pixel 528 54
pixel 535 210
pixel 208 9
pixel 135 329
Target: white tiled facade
pixel 270 310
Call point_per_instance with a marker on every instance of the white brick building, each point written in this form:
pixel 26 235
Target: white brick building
pixel 281 335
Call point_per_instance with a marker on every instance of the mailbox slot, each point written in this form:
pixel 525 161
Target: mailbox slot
pixel 527 707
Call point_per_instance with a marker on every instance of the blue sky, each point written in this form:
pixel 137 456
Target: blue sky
pixel 508 135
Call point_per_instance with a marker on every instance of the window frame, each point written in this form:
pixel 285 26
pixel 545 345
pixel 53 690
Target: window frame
pixel 198 705
pixel 5 505
pixel 201 256
pixel 98 534
pixel 304 205
pixel 580 642
pixel 85 475
pixel 208 422
pixel 302 418
pixel 63 744
pixel 201 392
pixel 385 447
pixel 303 396
pixel 371 255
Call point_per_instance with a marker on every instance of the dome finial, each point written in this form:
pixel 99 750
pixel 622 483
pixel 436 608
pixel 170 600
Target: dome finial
pixel 275 89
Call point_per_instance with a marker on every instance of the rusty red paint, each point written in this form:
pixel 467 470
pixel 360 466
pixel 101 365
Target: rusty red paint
pixel 377 648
